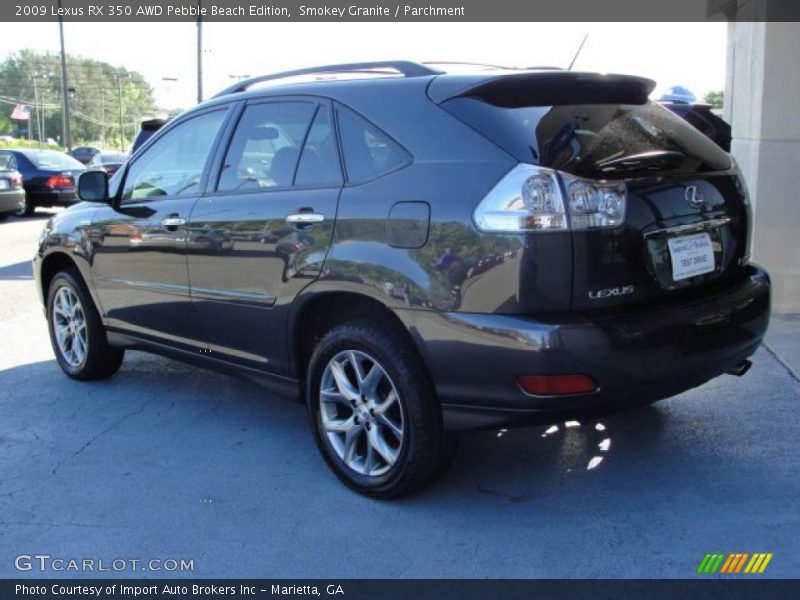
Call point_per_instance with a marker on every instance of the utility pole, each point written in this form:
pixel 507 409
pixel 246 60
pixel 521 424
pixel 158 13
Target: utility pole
pixel 103 117
pixel 42 123
pixel 199 52
pixel 64 95
pixel 38 111
pixel 121 116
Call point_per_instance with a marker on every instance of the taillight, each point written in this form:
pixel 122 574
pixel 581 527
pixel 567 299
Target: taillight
pixel 530 198
pixel 594 204
pixel 60 181
pixel 16 180
pixel 556 385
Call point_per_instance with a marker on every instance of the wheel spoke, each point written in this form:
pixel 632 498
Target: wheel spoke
pixel 369 461
pixel 59 309
pixel 78 347
pixel 378 442
pixel 346 388
pixel 370 383
pixel 391 426
pixel 61 331
pixel 66 302
pixel 351 444
pixel 358 367
pixel 340 425
pixel 334 395
pixel 388 402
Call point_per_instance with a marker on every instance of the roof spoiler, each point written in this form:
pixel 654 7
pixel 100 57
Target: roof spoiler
pixel 544 88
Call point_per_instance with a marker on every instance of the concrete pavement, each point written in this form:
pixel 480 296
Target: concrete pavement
pixel 168 461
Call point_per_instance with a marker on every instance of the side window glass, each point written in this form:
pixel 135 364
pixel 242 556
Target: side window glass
pixel 266 146
pixel 368 152
pixel 174 164
pixel 319 163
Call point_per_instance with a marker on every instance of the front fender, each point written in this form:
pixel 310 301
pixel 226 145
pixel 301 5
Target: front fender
pixel 66 240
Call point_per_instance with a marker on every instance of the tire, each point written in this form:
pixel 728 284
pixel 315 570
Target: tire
pixel 27 208
pixel 76 331
pixel 421 453
pixel 4 216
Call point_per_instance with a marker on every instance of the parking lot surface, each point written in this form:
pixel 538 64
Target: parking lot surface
pixel 168 461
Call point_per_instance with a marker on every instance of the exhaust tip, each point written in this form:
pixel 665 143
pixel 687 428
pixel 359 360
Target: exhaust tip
pixel 740 369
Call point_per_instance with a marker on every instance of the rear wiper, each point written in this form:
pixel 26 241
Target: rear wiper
pixel 648 161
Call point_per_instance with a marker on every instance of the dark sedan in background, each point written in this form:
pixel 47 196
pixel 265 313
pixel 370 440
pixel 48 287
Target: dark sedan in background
pixel 48 177
pixel 84 154
pixel 109 162
pixel 12 195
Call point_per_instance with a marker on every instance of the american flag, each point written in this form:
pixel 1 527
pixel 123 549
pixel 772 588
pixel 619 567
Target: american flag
pixel 21 112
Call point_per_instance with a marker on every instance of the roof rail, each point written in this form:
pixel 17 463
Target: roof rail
pixel 459 63
pixel 387 67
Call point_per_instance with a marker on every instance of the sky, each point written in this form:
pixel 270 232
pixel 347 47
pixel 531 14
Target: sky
pixel 688 54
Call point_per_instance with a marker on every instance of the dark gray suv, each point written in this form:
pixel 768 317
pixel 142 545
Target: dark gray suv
pixel 413 254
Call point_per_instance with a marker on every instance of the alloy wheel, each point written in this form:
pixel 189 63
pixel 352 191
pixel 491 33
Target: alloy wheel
pixel 361 413
pixel 69 325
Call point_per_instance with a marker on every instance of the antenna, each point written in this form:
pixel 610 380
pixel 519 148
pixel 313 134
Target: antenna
pixel 574 58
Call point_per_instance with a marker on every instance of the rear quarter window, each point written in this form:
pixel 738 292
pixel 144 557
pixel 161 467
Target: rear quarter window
pixel 368 151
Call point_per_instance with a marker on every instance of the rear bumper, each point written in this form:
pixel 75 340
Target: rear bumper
pixel 11 200
pixel 65 197
pixel 636 358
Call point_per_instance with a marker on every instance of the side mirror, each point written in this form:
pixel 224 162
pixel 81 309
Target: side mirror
pixel 93 186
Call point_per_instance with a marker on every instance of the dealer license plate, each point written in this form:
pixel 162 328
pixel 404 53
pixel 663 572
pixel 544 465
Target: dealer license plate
pixel 691 255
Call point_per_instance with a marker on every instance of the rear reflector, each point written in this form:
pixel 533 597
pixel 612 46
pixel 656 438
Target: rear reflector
pixel 556 385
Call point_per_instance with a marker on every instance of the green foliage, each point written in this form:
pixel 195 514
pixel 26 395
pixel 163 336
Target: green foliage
pixel 715 98
pixel 27 144
pixel 100 89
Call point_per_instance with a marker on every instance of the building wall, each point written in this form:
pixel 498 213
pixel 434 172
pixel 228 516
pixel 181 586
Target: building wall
pixel 762 99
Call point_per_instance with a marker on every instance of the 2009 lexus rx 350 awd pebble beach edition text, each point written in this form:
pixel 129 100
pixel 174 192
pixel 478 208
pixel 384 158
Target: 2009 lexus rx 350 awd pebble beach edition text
pixel 414 253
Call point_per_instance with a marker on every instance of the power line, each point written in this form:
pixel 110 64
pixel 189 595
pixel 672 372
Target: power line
pixel 15 102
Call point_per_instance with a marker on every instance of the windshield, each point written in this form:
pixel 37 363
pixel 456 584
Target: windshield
pixel 53 160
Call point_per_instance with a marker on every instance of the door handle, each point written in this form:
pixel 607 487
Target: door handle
pixel 305 218
pixel 172 221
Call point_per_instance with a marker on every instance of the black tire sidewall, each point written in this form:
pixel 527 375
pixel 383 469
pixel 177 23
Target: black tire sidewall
pixel 27 209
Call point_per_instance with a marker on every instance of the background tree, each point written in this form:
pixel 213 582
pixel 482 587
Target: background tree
pixel 98 91
pixel 715 98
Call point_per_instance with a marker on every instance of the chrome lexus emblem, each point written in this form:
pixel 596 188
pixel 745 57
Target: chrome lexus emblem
pixel 694 196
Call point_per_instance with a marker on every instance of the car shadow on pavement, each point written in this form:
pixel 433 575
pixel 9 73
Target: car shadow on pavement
pixel 20 270
pixel 157 412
